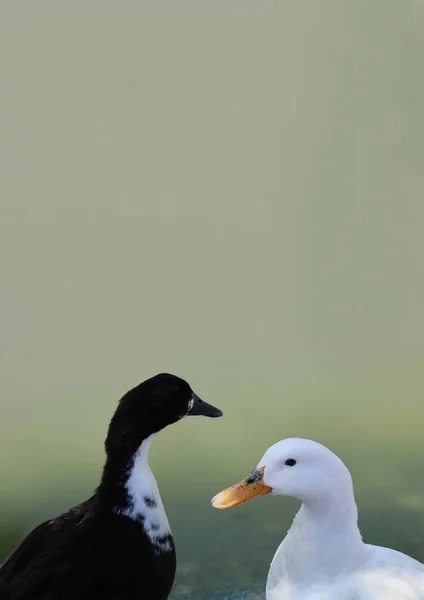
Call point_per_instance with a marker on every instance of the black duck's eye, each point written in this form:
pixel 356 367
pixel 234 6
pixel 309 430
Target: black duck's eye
pixel 290 462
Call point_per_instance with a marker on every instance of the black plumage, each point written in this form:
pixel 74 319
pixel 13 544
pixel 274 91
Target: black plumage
pixel 95 550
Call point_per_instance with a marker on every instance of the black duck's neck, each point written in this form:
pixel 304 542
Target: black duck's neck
pixel 113 492
pixel 129 488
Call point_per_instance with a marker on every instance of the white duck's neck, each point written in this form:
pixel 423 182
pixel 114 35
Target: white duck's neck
pixel 323 541
pixel 145 504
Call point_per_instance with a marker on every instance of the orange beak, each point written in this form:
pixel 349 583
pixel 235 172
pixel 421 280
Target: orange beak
pixel 244 490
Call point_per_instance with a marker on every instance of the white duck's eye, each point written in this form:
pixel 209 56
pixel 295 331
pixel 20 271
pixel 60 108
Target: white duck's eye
pixel 290 462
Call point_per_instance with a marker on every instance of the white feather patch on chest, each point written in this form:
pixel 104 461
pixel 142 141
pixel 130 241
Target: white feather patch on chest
pixel 145 501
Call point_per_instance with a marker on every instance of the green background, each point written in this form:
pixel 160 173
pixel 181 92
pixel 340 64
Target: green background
pixel 232 192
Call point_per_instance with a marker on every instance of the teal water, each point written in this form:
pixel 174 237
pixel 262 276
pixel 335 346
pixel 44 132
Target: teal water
pixel 230 191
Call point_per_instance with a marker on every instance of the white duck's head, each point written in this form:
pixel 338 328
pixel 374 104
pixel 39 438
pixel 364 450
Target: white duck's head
pixel 303 469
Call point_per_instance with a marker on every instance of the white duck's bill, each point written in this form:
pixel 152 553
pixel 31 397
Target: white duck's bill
pixel 246 489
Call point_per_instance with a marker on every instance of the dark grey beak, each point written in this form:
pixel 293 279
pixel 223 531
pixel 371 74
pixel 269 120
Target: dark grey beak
pixel 204 409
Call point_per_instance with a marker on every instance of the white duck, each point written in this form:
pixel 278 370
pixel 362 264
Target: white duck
pixel 323 556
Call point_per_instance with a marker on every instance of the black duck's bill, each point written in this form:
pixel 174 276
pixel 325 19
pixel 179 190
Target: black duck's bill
pixel 201 408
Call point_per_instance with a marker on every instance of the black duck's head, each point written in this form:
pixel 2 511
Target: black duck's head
pixel 146 409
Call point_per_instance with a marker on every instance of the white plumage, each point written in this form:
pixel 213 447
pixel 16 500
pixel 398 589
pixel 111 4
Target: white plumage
pixel 146 504
pixel 323 556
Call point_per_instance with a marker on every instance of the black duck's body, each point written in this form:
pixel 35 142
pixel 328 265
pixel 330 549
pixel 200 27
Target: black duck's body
pixel 117 545
pixel 83 555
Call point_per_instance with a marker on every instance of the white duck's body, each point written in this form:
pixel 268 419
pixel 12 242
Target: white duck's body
pixel 342 568
pixel 323 556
